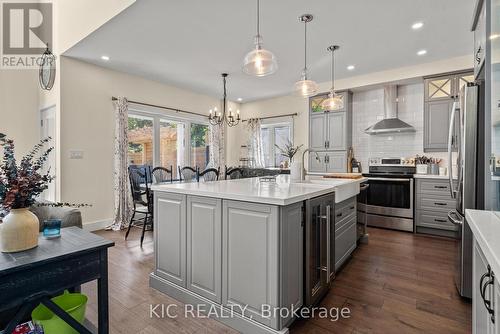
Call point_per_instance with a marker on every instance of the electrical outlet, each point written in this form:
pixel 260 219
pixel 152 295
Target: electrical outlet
pixel 76 154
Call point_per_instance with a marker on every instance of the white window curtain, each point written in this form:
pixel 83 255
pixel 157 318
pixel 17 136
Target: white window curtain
pixel 254 144
pixel 122 192
pixel 216 138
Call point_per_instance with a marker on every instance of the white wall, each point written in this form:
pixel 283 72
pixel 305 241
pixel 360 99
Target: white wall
pixel 19 115
pixel 87 124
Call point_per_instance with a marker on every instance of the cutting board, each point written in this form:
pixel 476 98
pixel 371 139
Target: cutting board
pixel 343 176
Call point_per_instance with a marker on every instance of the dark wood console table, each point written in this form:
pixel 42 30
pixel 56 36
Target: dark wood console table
pixel 34 276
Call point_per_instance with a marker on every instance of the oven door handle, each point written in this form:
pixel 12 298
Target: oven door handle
pixel 388 179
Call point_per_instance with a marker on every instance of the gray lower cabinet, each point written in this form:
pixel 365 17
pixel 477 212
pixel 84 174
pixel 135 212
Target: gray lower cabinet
pixel 329 162
pixel 291 259
pixel 250 253
pixel 485 295
pixel 345 230
pixel 170 228
pixel 433 201
pixel 244 256
pixel 204 247
pixel 336 162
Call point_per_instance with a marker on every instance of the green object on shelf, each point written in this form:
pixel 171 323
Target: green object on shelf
pixel 74 304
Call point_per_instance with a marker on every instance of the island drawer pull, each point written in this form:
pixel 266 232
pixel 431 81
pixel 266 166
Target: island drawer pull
pixel 438 203
pixel 441 187
pixel 440 220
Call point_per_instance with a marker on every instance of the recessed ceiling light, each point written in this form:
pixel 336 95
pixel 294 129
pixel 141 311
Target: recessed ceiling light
pixel 494 36
pixel 417 25
pixel 106 58
pixel 351 67
pixel 239 99
pixel 422 52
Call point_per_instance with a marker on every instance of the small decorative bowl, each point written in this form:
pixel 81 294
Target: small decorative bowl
pixel 51 228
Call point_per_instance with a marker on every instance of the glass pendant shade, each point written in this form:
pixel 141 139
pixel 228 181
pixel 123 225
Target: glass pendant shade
pixel 305 87
pixel 333 102
pixel 259 62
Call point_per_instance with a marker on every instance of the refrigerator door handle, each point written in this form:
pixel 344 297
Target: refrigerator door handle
pixel 450 147
pixel 452 216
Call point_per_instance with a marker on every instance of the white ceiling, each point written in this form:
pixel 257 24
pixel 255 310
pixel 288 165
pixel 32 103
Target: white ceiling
pixel 189 43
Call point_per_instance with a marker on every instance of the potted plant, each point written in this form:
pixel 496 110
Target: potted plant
pixel 289 151
pixel 20 185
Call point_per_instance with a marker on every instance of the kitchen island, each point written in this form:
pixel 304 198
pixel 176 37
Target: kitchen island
pixel 235 247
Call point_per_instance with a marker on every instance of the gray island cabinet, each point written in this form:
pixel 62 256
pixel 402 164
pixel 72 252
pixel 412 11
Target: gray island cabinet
pixel 235 247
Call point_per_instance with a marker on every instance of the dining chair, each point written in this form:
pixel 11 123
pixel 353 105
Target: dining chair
pixel 162 174
pixel 142 199
pixel 232 173
pixel 209 174
pixel 188 174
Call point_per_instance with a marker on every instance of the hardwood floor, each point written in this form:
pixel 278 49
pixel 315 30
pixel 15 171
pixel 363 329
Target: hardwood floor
pixel 398 283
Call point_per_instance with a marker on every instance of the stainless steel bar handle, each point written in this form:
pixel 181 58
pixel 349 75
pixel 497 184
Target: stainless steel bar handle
pixel 453 218
pixel 328 231
pixel 450 144
pixel 388 179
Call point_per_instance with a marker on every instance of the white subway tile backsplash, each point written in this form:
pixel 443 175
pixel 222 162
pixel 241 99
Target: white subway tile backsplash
pixel 368 108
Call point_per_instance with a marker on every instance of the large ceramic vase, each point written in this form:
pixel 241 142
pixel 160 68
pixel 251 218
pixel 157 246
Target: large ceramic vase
pixel 19 231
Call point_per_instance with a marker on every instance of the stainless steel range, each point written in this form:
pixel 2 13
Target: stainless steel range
pixel 389 197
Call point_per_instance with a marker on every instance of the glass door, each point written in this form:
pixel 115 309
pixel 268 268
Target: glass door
pixel 172 145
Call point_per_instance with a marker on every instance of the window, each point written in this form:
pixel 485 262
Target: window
pixel 171 144
pixel 165 139
pixel 140 140
pixel 275 133
pixel 199 145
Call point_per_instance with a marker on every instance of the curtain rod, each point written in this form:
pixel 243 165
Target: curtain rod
pixel 161 107
pixel 194 113
pixel 277 116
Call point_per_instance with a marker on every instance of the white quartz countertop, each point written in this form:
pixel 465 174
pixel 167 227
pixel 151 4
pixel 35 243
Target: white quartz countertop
pixel 283 192
pixel 485 226
pixel 429 176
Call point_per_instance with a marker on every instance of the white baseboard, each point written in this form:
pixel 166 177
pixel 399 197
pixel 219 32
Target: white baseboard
pixel 97 225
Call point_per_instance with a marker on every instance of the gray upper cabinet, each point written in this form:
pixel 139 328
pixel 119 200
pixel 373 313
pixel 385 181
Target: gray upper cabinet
pixel 318 133
pixel 170 228
pixel 440 92
pixel 436 125
pixel 479 28
pixel 204 246
pixel 330 131
pixel 337 131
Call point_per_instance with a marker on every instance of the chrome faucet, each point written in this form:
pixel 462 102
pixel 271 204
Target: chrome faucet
pixel 304 171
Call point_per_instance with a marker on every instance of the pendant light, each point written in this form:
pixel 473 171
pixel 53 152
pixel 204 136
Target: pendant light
pixel 334 101
pixel 217 118
pixel 259 62
pixel 305 87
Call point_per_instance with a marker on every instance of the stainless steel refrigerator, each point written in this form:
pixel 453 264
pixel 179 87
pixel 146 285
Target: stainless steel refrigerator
pixel 468 113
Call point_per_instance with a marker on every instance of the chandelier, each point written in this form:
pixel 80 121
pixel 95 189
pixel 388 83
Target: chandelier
pixel 217 118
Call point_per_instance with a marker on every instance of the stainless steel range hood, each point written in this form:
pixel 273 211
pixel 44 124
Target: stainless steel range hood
pixel 391 123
